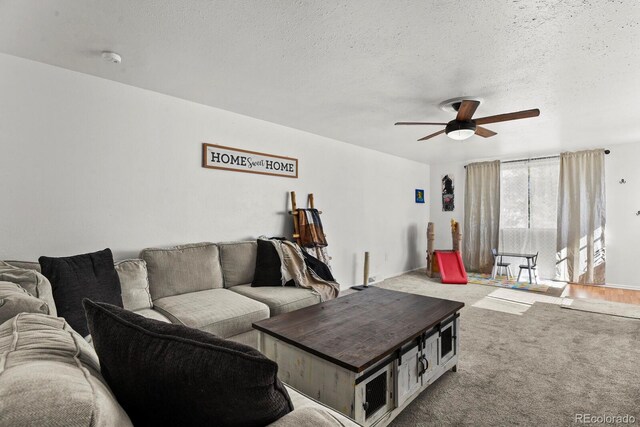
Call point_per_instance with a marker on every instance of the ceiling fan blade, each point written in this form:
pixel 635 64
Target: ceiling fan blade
pixel 466 110
pixel 420 123
pixel 432 135
pixel 508 116
pixel 484 132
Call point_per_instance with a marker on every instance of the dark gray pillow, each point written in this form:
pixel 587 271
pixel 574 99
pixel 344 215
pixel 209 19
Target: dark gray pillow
pixel 268 270
pixel 81 276
pixel 168 375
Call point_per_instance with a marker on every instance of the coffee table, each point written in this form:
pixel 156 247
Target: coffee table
pixel 367 354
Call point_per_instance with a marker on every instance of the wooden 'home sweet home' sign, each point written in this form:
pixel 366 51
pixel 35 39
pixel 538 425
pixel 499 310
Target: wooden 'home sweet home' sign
pixel 234 159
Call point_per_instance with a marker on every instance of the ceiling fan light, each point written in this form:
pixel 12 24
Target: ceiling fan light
pixel 460 134
pixel 460 130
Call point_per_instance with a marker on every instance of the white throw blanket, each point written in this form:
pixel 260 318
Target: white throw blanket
pixel 294 267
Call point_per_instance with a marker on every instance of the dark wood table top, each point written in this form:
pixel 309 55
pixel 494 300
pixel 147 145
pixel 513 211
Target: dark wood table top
pixel 360 329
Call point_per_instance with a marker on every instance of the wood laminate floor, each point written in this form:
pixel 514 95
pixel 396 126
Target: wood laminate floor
pixel 606 293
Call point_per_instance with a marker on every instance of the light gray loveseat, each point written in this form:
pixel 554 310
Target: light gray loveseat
pixel 202 285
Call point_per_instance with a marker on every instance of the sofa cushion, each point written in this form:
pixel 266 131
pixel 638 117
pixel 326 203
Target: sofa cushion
pixel 134 284
pixel 183 269
pixel 51 377
pixel 150 313
pixel 32 281
pixel 309 416
pixel 250 338
pixel 219 311
pixel 171 375
pixel 310 412
pixel 76 277
pixel 238 260
pixel 14 299
pixel 280 299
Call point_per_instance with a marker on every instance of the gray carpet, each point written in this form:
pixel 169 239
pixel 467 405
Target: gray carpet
pixel 540 368
pixel 603 307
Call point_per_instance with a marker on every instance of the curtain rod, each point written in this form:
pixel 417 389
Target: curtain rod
pixel 537 158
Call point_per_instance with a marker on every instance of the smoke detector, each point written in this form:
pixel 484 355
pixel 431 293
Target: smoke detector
pixel 111 57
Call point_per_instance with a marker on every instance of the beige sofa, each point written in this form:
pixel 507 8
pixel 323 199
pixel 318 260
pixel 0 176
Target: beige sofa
pixel 202 285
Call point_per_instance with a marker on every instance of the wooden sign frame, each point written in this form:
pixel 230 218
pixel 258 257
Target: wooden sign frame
pixel 247 161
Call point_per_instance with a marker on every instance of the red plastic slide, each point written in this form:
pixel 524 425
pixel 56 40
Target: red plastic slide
pixel 451 267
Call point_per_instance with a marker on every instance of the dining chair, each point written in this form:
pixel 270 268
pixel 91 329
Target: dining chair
pixel 533 268
pixel 501 265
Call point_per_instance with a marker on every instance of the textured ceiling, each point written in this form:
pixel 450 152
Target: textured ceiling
pixel 350 69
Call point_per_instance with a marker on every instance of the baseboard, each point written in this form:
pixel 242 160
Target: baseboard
pixel 614 286
pixel 392 275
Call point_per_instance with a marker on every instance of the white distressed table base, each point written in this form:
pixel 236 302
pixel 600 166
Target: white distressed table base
pixel 336 386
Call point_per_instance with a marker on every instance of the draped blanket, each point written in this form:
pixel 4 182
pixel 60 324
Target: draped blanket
pixel 310 229
pixel 293 261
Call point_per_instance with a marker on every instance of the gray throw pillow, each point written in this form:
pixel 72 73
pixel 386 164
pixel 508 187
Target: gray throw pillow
pixel 134 284
pixel 15 300
pixel 168 375
pixel 32 281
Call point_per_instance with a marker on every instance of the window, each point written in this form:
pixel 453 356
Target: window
pixel 529 211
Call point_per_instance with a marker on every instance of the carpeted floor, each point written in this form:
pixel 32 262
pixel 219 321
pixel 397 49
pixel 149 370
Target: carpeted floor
pixel 539 368
pixel 603 307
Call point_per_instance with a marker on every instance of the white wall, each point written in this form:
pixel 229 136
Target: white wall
pixel 87 163
pixel 623 225
pixel 623 201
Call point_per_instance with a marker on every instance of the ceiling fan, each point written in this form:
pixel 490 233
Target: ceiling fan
pixel 464 126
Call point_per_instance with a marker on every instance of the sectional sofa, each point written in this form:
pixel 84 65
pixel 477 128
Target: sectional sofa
pixel 206 286
pixel 203 285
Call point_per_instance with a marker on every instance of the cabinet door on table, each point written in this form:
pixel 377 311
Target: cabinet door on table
pixel 408 370
pixel 430 358
pixel 447 342
pixel 374 395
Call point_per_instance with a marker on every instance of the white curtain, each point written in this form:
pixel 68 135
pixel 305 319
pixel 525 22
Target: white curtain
pixel 581 218
pixel 528 211
pixel 481 215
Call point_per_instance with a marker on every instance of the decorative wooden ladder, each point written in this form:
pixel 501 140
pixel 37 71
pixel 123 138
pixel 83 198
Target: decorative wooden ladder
pixel 295 213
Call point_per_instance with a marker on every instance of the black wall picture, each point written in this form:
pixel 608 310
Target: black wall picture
pixel 447 194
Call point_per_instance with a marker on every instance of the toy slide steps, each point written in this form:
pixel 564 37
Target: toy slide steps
pixel 451 267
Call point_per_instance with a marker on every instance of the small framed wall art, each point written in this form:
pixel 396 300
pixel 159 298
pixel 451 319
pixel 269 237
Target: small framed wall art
pixel 419 195
pixel 448 202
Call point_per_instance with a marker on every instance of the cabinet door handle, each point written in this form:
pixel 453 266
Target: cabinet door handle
pixel 424 364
